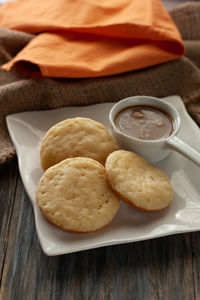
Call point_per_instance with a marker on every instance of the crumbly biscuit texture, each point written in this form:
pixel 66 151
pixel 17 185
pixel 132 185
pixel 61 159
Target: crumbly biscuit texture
pixel 75 195
pixel 76 137
pixel 137 182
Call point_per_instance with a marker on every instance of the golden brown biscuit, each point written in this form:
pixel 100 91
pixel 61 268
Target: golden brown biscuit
pixel 74 138
pixel 137 182
pixel 75 195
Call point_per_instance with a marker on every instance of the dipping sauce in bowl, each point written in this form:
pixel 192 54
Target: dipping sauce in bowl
pixel 144 122
pixel 149 126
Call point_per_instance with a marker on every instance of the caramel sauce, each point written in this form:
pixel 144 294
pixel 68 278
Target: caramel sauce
pixel 144 122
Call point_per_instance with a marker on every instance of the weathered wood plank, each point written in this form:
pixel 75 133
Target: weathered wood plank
pixel 195 245
pixel 171 268
pixel 154 269
pixel 8 179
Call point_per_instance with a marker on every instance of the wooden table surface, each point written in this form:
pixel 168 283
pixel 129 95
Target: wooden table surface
pixel 164 268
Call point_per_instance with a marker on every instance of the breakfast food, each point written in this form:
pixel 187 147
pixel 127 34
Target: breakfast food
pixel 76 137
pixel 75 195
pixel 137 182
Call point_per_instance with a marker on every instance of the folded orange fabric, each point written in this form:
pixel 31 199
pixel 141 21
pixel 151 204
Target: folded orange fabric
pixel 91 38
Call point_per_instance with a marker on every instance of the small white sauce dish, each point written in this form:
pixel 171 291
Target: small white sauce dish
pixel 152 150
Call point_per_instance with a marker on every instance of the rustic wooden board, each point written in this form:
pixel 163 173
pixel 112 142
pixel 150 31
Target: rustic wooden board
pixel 8 179
pixel 164 268
pixel 195 246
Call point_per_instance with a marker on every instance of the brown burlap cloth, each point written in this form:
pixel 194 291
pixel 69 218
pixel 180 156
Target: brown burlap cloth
pixel 20 92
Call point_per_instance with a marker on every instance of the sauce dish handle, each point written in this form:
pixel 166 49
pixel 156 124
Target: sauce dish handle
pixel 178 145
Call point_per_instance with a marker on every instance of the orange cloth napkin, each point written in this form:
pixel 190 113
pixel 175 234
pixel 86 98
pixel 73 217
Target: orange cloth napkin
pixel 91 38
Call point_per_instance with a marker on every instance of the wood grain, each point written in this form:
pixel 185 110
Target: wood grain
pixel 195 246
pixel 164 268
pixel 8 179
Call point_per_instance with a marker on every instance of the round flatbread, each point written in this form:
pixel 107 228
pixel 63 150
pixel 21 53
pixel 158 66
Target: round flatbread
pixel 75 195
pixel 137 182
pixel 76 137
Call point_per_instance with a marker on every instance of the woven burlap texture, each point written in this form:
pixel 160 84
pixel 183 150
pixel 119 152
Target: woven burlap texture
pixel 20 92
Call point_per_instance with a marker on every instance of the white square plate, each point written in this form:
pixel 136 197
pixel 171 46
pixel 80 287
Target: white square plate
pixel 129 225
